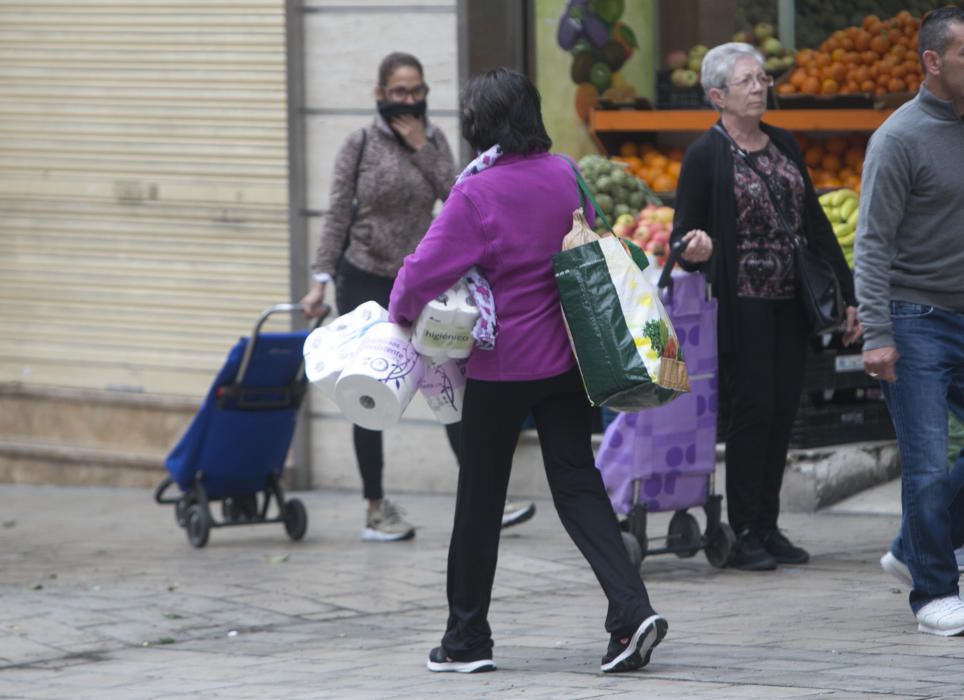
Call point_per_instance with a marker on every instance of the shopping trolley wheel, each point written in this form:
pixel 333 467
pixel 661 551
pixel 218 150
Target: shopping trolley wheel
pixel 636 526
pixel 633 549
pixel 684 534
pixel 721 542
pixel 296 518
pixel 198 525
pixel 181 507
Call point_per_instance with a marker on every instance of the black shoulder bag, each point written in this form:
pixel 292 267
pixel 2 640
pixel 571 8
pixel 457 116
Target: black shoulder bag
pixel 817 285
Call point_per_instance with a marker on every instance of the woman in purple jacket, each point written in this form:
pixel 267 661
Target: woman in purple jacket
pixel 508 219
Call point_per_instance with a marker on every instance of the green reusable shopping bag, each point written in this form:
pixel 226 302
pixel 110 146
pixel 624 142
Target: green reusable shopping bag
pixel 623 340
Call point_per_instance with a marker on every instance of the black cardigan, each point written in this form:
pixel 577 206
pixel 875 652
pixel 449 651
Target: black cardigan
pixel 705 199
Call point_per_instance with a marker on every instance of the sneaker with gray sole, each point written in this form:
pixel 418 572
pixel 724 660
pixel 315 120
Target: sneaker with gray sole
pixel 896 568
pixel 385 524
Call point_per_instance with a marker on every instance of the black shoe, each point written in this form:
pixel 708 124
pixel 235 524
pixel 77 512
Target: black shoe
pixel 783 550
pixel 480 662
pixel 750 555
pixel 633 652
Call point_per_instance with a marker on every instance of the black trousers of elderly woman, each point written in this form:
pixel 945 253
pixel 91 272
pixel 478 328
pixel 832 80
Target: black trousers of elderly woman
pixel 492 417
pixel 762 385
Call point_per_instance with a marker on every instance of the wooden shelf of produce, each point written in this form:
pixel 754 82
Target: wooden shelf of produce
pixel 602 121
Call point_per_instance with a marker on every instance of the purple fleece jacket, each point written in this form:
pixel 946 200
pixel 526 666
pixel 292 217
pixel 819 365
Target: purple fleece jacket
pixel 508 220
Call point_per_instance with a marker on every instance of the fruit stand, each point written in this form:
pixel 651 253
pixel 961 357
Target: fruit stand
pixel 841 67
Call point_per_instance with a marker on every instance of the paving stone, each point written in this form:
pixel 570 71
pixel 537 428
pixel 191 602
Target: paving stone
pixel 311 617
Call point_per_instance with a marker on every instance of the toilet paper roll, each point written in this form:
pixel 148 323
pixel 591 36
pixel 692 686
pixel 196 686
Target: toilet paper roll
pixel 380 379
pixel 444 328
pixel 466 313
pixel 328 348
pixel 443 386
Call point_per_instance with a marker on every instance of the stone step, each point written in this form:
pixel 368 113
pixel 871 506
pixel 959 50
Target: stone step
pixel 66 436
pixel 96 419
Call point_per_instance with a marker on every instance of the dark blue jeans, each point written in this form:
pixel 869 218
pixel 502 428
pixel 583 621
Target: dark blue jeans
pixel 930 374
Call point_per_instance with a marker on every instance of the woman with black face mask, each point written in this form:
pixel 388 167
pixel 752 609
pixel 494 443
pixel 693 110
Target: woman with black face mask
pixel 388 177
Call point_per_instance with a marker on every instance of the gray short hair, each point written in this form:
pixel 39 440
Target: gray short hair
pixel 718 63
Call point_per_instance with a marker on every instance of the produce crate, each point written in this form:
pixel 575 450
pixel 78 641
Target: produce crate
pixel 856 100
pixel 832 376
pixel 840 423
pixel 668 96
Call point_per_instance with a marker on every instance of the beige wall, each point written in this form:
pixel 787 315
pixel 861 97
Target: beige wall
pixel 340 74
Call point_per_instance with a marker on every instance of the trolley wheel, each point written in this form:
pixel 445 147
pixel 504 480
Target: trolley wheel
pixel 198 525
pixel 242 508
pixel 684 532
pixel 636 524
pixel 181 507
pixel 295 518
pixel 633 549
pixel 720 545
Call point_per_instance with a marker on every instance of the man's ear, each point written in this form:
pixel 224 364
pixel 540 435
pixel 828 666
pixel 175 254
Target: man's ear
pixel 932 62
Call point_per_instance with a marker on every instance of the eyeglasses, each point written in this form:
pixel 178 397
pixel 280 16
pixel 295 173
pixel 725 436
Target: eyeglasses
pixel 745 83
pixel 399 93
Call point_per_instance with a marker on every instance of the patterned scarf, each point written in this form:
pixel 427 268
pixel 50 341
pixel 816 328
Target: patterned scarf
pixel 487 326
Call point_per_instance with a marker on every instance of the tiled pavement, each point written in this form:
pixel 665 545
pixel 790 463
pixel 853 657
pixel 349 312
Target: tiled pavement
pixel 101 597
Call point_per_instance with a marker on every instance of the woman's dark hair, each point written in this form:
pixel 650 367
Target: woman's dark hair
pixel 394 61
pixel 503 107
pixel 934 34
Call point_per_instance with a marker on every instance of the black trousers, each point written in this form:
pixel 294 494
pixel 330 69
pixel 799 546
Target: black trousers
pixel 353 287
pixel 762 385
pixel 492 419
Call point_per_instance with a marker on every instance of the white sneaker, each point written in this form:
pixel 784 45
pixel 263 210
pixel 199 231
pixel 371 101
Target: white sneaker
pixel 896 568
pixel 516 512
pixel 385 524
pixel 944 617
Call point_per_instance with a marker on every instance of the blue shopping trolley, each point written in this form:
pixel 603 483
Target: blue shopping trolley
pixel 234 450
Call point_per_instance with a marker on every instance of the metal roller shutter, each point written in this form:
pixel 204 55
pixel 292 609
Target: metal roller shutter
pixel 143 187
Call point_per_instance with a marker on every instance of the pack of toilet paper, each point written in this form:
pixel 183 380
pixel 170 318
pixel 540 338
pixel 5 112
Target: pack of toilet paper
pixel 444 328
pixel 328 348
pixel 443 385
pixel 380 378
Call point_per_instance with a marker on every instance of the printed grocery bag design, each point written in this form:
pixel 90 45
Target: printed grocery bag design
pixel 623 339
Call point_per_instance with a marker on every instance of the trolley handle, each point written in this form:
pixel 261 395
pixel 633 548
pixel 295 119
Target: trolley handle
pixel 277 308
pixel 675 252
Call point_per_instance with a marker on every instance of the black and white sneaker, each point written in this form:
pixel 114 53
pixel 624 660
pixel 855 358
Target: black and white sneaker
pixel 631 653
pixel 516 512
pixel 439 662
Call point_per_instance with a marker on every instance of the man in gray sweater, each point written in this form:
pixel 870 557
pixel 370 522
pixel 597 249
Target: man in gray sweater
pixel 910 285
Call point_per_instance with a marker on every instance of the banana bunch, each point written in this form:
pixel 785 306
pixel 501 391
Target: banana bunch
pixel 840 206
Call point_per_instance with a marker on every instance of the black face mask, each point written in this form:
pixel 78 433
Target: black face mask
pixel 389 110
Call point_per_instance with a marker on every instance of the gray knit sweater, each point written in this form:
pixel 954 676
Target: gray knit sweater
pixel 397 190
pixel 910 231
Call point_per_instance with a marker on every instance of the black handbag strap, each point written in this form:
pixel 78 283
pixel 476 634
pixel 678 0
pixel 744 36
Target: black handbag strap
pixel 794 238
pixel 354 201
pixel 361 151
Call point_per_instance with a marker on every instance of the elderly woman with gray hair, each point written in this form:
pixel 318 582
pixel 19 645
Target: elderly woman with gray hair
pixel 743 193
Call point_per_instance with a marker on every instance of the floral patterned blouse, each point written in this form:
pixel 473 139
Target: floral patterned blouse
pixel 764 250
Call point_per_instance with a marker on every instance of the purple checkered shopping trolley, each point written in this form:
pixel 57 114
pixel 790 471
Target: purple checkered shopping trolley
pixel 663 459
